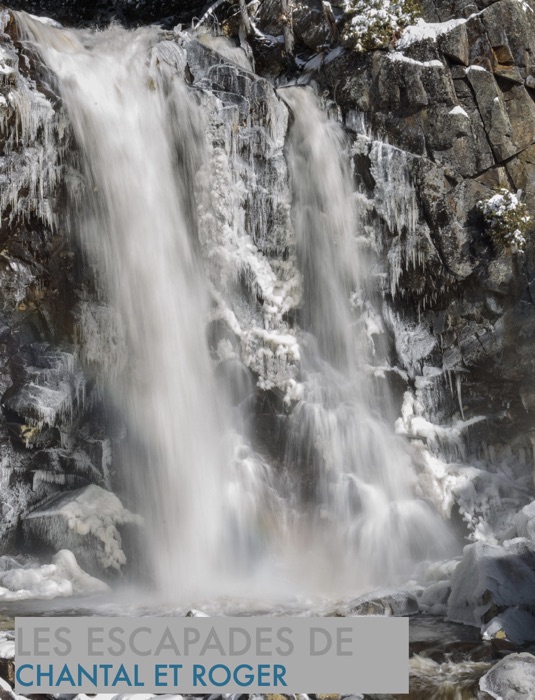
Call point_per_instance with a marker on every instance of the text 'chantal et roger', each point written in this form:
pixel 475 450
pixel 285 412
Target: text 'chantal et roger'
pixel 200 654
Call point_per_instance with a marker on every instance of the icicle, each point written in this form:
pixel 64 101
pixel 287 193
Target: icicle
pixel 459 393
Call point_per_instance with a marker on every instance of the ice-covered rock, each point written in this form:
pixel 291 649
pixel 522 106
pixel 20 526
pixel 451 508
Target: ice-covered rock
pixel 87 521
pixel 387 602
pixel 512 678
pixel 440 570
pixel 63 577
pixel 7 645
pixel 6 691
pixel 513 624
pixel 491 578
pixel 7 658
pixel 525 522
pixel 48 390
pixel 434 599
pixel 196 613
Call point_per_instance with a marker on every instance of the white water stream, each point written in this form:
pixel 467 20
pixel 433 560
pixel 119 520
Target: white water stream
pixel 358 476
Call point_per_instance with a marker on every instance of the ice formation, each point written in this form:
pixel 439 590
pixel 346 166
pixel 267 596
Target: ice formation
pixel 90 511
pixel 63 577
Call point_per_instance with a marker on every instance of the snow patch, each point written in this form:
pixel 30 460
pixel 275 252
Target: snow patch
pixel 422 31
pixel 399 57
pixel 459 110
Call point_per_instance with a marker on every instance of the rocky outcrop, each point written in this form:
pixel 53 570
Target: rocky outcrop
pixel 51 428
pixel 511 678
pixel 455 102
pixel 455 96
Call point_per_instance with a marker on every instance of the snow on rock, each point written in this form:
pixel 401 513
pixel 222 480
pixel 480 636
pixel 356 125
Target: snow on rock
pixel 426 31
pixel 7 645
pixel 476 68
pixel 512 678
pixel 86 520
pixel 490 578
pixel 196 613
pixel 434 599
pixel 7 661
pixel 414 342
pixel 224 46
pixel 387 602
pixel 459 110
pixel 398 56
pixel 63 577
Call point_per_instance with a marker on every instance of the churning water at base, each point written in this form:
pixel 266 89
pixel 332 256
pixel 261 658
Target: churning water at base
pixel 348 486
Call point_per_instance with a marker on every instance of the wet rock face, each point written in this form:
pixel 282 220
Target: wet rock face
pixel 129 12
pixel 50 439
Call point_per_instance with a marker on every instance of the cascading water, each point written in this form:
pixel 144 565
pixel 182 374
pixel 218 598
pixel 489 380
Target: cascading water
pixel 357 477
pixel 348 484
pixel 131 115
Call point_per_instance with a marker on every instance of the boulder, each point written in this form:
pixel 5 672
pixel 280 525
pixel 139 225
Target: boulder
pixel 491 578
pixel 513 624
pixel 387 602
pixel 512 678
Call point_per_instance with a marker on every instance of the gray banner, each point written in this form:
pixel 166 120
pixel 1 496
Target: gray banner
pixel 212 655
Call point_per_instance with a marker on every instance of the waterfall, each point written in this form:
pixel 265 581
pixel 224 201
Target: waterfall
pixel 356 477
pixel 138 131
pixel 347 489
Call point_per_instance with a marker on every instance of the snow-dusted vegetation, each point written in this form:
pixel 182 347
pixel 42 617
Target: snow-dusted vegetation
pixel 373 24
pixel 507 218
